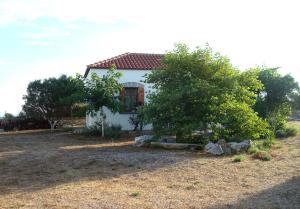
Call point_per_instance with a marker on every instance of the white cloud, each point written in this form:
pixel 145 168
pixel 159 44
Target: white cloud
pixel 3 62
pixel 37 43
pixel 44 35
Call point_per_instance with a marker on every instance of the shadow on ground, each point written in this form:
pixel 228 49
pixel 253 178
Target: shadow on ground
pixel 282 196
pixel 38 161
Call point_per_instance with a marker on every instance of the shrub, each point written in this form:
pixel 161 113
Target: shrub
pixel 286 132
pixel 23 123
pixel 68 128
pixel 263 155
pixel 253 150
pixel 262 145
pixel 91 131
pixel 134 194
pixel 113 131
pixel 239 158
pixel 201 139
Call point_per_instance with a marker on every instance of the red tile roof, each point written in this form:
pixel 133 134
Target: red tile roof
pixel 140 61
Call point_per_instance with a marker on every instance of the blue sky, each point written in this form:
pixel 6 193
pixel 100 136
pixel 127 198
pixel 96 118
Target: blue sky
pixel 43 38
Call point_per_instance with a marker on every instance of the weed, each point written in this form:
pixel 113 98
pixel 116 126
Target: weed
pixel 263 155
pixel 239 158
pixel 190 187
pixel 134 194
pixel 253 150
pixel 3 163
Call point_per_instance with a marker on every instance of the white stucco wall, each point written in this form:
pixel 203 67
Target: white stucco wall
pixel 121 119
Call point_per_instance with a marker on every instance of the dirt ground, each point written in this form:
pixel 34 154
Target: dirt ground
pixel 60 170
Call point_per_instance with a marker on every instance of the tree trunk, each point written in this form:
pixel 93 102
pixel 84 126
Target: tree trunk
pixel 102 122
pixel 52 124
pixel 102 131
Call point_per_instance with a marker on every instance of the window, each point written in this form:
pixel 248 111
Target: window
pixel 131 98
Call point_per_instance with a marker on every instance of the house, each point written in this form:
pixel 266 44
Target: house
pixel 134 66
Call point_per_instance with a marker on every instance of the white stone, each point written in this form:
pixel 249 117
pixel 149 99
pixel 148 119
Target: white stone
pixel 214 149
pixel 240 147
pixel 143 141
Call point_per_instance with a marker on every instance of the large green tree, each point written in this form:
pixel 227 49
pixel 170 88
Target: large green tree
pixel 197 89
pixel 102 92
pixel 53 98
pixel 275 100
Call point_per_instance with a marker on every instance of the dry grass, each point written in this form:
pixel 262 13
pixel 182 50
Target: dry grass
pixel 64 171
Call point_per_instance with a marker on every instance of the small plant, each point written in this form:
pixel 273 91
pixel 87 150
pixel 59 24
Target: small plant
pixel 239 158
pixel 263 155
pixel 286 132
pixel 253 150
pixel 3 163
pixel 190 187
pixel 113 131
pixel 134 194
pixel 67 129
pixel 277 146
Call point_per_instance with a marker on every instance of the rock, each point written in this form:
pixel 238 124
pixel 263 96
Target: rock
pixel 143 141
pixel 168 139
pixel 225 146
pixel 214 149
pixel 179 146
pixel 240 147
pixel 222 147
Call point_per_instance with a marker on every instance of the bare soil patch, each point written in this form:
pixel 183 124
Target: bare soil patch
pixel 60 170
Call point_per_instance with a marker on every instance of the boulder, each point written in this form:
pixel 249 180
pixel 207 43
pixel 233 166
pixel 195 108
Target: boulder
pixel 239 147
pixel 225 146
pixel 143 141
pixel 214 149
pixel 179 146
pixel 168 139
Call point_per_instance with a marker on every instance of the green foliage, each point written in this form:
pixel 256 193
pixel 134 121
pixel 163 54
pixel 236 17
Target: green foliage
pixel 135 194
pixel 79 110
pixel 199 89
pixel 253 150
pixel 240 121
pixel 286 132
pixel 274 102
pixel 113 131
pixel 239 158
pixel 8 116
pixel 53 98
pixel 68 129
pixel 101 91
pixel 261 145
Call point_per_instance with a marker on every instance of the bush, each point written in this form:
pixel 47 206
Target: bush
pixel 286 132
pixel 263 155
pixel 68 129
pixel 201 139
pixel 261 146
pixel 23 123
pixel 239 158
pixel 91 131
pixel 113 131
pixel 253 150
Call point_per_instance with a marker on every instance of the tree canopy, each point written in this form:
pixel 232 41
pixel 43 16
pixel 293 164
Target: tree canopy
pixel 52 99
pixel 102 91
pixel 275 100
pixel 200 88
